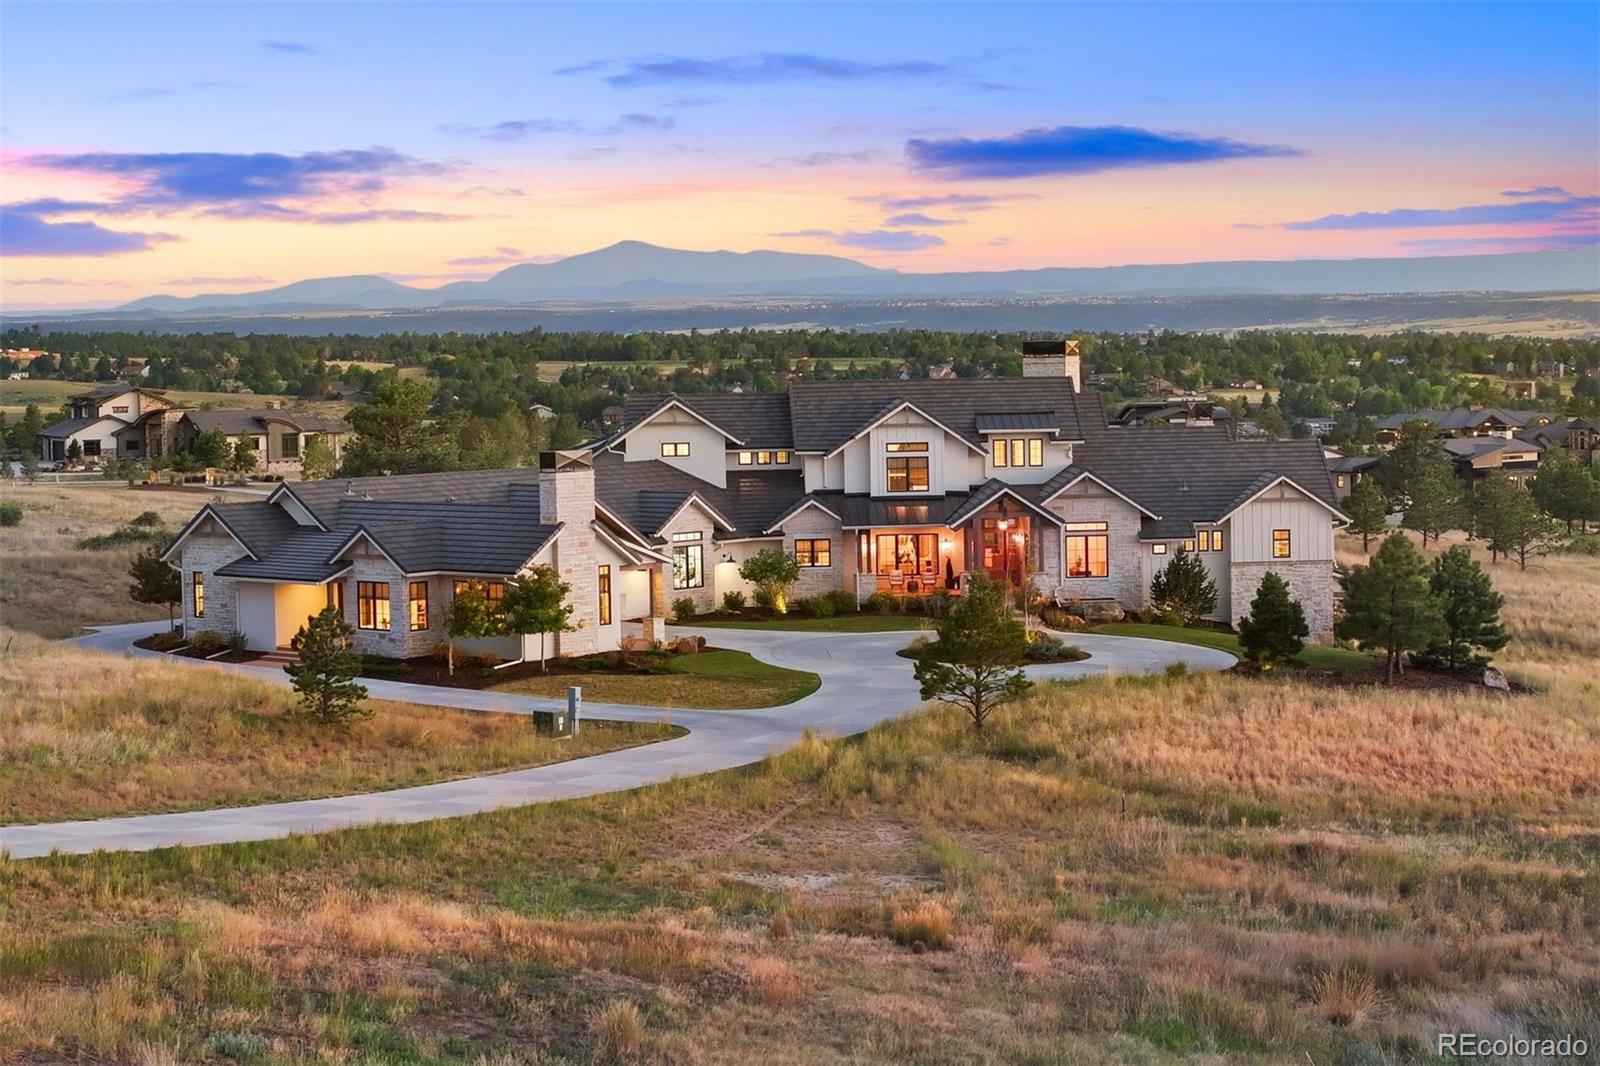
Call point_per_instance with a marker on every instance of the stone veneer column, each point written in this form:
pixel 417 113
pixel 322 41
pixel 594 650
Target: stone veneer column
pixel 655 619
pixel 566 495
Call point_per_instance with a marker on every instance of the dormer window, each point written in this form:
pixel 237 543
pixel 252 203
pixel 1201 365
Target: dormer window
pixel 906 472
pixel 671 449
pixel 1017 451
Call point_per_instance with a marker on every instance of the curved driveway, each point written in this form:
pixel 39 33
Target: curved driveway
pixel 863 683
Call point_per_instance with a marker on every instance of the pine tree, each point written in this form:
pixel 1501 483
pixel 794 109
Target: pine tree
pixel 1436 503
pixel 1506 516
pixel 536 603
pixel 1564 490
pixel 973 662
pixel 1471 610
pixel 1275 630
pixel 155 582
pixel 1184 589
pixel 325 675
pixel 1368 511
pixel 1388 603
pixel 1416 447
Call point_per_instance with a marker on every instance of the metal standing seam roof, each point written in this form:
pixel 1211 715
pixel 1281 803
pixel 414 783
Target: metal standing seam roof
pixel 1017 420
pixel 68 426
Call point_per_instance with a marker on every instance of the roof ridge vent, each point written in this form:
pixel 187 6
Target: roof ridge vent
pixel 349 488
pixel 367 495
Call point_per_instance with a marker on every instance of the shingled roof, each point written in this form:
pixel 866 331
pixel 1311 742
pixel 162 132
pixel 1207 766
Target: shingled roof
pixel 645 494
pixel 827 414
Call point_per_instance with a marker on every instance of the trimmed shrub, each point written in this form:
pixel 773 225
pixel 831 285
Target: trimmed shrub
pixel 683 609
pixel 10 513
pixel 814 607
pixel 207 642
pixel 881 603
pixel 843 601
pixel 236 642
pixel 934 605
pixel 732 600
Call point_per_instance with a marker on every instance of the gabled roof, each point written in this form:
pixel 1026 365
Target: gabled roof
pixel 759 420
pixel 1266 481
pixel 994 489
pixel 893 408
pixel 825 415
pixel 233 422
pixel 637 492
pixel 1073 474
pixel 256 526
pixel 302 556
pixel 1352 464
pixel 810 499
pixel 673 402
pixel 1466 418
pixel 68 426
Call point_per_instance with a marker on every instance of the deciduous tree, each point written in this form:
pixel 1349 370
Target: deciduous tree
pixel 243 459
pixel 211 448
pixel 536 603
pixel 317 463
pixel 468 617
pixel 773 572
pixel 973 662
pixel 1389 605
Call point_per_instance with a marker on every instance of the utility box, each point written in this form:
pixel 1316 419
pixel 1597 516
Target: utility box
pixel 562 723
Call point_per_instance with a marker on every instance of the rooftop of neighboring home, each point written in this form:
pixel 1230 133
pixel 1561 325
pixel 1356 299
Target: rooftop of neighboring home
pixel 234 422
pixel 1557 434
pixel 1351 464
pixel 1457 419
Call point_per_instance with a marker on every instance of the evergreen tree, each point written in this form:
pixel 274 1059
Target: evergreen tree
pixel 1471 610
pixel 30 465
pixel 211 448
pixel 394 436
pixel 972 664
pixel 1368 511
pixel 1183 589
pixel 74 451
pixel 536 603
pixel 325 675
pixel 1436 503
pixel 1388 603
pixel 155 582
pixel 1565 490
pixel 1507 518
pixel 1413 450
pixel 1275 631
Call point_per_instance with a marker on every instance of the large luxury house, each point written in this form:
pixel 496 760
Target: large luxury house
pixel 131 422
pixel 896 486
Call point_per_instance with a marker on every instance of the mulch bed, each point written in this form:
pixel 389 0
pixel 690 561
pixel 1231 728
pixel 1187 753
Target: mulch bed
pixel 157 642
pixel 1414 679
pixel 431 671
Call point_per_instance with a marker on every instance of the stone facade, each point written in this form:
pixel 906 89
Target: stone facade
pixel 691 520
pixel 814 524
pixel 1310 582
pixel 1088 502
pixel 566 495
pixel 204 552
pixel 367 564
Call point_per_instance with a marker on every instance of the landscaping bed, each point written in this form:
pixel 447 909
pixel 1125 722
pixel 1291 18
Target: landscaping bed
pixel 711 678
pixel 216 651
pixel 1044 648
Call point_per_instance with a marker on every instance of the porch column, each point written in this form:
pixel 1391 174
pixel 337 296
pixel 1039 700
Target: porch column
pixel 655 622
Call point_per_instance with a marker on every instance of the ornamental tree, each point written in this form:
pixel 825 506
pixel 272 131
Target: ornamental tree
pixel 972 664
pixel 1275 630
pixel 468 617
pixel 773 572
pixel 1184 589
pixel 536 603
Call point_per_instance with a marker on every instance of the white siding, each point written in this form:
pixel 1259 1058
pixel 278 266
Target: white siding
pixel 1283 507
pixel 1057 457
pixel 706 446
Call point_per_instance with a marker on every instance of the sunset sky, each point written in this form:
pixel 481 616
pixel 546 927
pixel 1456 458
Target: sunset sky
pixel 186 148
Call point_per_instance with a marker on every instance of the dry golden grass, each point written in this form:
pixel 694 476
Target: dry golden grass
pixel 1146 871
pixel 50 587
pixel 84 735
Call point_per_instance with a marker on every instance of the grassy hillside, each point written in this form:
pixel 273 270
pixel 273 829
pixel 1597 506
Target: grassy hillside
pixel 15 396
pixel 1182 869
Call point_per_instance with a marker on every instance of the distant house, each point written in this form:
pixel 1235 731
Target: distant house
pixel 1347 471
pixel 94 420
pixel 1320 427
pixel 1466 422
pixel 611 416
pixel 942 371
pixel 1474 457
pixel 1246 383
pixel 17 375
pixel 1172 411
pixel 1578 437
pixel 1552 368
pixel 1522 390
pixel 541 410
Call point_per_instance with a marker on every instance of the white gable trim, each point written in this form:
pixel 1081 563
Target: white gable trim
pixel 694 498
pixel 881 419
pixel 1104 485
pixel 803 506
pixel 966 512
pixel 1338 515
pixel 361 533
pixel 680 405
pixel 208 511
pixel 296 507
pixel 628 551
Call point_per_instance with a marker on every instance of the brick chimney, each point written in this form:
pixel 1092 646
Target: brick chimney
pixel 1053 359
pixel 566 496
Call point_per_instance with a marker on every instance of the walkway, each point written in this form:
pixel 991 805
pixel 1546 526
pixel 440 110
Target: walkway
pixel 863 683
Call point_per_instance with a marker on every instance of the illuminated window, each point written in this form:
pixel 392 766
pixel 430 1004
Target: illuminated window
pixel 998 446
pixel 336 596
pixel 813 553
pixel 418 602
pixel 783 458
pixel 1205 540
pixel 764 458
pixel 605 595
pixel 1338 480
pixel 746 458
pixel 1216 540
pixel 1158 549
pixel 688 564
pixel 1019 451
pixel 907 473
pixel 678 449
pixel 372 604
pixel 1188 545
pixel 199 594
pixel 1280 544
pixel 1036 451
pixel 1088 552
pixel 494 592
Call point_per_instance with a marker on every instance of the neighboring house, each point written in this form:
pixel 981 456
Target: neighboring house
pixel 1578 437
pixel 279 436
pixel 95 418
pixel 1467 422
pixel 902 487
pixel 541 410
pixel 1172 411
pixel 1320 427
pixel 1347 471
pixel 1522 390
pixel 1474 457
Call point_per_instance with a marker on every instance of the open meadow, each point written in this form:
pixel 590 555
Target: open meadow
pixel 1177 869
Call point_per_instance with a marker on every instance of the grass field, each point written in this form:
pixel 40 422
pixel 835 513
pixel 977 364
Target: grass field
pixel 1205 869
pixel 1314 657
pixel 87 736
pixel 720 679
pixel 51 587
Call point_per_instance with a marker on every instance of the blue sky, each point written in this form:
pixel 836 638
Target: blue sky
pixel 149 144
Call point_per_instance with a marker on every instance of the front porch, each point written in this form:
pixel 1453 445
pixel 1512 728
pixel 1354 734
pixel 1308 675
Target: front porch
pixel 998 541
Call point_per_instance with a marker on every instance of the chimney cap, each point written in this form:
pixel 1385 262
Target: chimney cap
pixel 565 459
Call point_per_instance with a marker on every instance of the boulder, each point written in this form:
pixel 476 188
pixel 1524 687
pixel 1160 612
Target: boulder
pixel 687 645
pixel 1493 678
pixel 637 644
pixel 1096 612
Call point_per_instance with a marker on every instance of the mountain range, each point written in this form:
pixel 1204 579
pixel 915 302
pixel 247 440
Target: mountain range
pixel 634 270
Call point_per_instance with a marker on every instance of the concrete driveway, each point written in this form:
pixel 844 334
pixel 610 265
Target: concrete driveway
pixel 863 683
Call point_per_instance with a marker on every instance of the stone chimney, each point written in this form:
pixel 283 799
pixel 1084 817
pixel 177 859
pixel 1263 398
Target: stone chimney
pixel 566 496
pixel 1053 359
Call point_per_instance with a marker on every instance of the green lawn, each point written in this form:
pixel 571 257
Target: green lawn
pixel 717 680
pixel 844 623
pixel 1314 657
